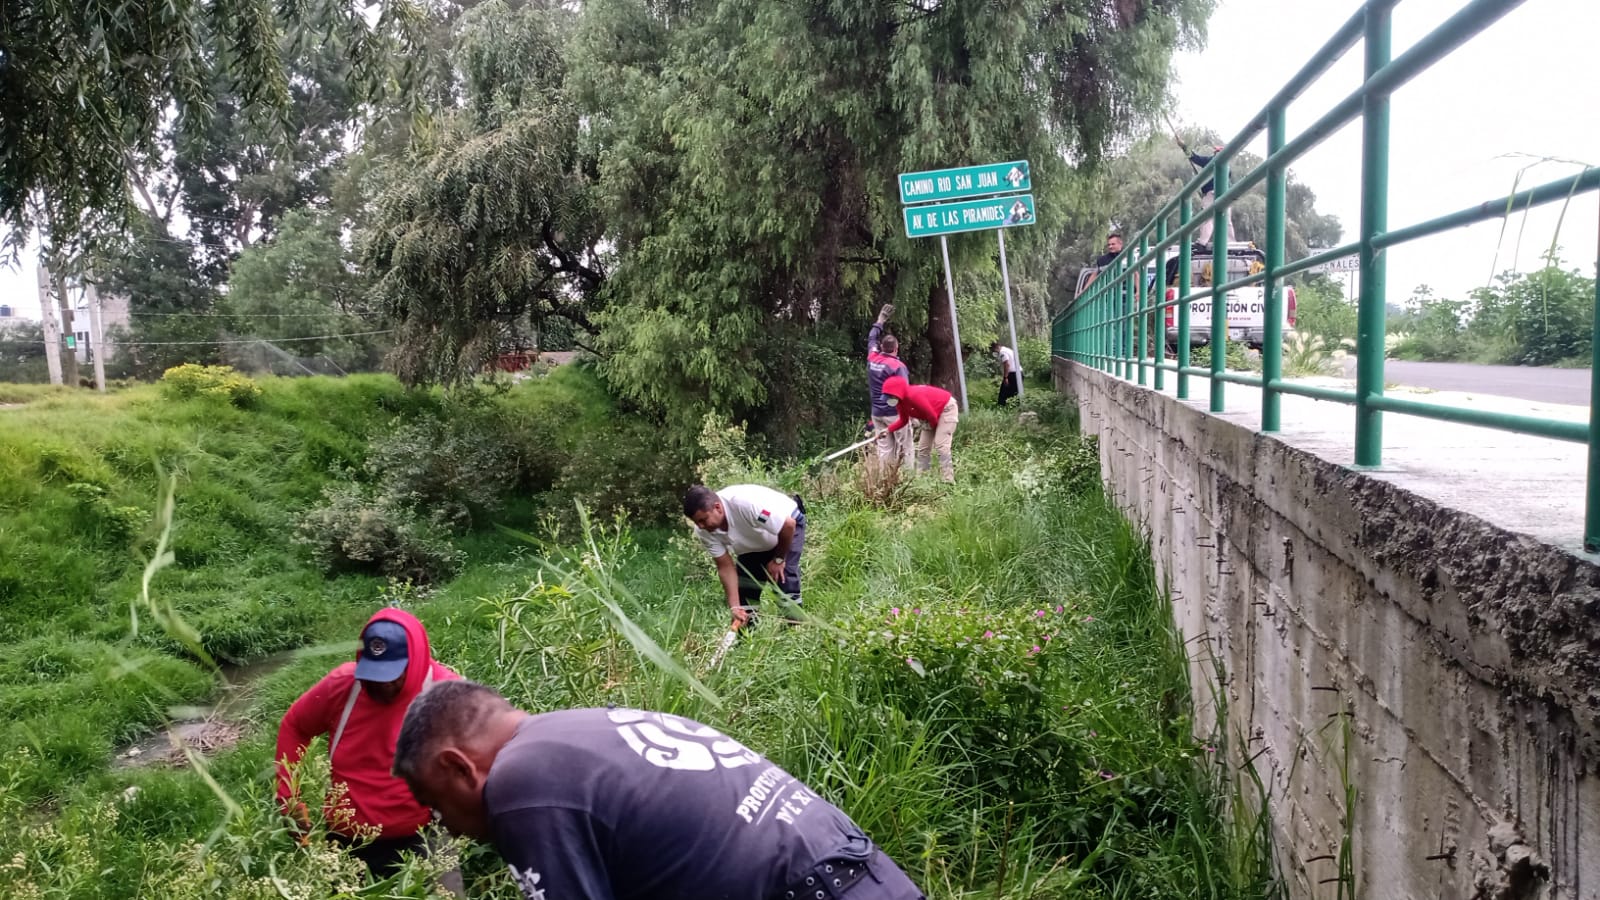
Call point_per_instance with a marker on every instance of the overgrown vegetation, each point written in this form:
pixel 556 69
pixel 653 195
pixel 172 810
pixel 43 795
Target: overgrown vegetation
pixel 1539 318
pixel 990 682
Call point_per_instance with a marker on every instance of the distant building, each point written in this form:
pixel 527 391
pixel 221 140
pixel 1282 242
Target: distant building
pixel 114 313
pixel 10 319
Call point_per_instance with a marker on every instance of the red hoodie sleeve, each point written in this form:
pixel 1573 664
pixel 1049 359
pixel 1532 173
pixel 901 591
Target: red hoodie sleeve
pixel 313 714
pixel 904 417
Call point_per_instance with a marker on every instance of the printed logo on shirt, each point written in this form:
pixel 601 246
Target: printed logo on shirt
pixel 528 881
pixel 763 516
pixel 671 742
pixel 774 791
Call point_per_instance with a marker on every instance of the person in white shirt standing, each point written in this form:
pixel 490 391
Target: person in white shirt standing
pixel 755 535
pixel 1010 371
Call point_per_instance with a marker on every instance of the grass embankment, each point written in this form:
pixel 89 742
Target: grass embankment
pixel 990 685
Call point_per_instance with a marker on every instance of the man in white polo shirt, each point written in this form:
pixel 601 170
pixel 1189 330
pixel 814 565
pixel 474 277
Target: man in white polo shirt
pixel 755 535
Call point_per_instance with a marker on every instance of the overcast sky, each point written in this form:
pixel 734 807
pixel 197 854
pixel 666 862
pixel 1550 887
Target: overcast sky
pixel 1459 133
pixel 1524 90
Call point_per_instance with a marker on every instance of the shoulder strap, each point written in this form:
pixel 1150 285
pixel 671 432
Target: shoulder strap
pixel 344 718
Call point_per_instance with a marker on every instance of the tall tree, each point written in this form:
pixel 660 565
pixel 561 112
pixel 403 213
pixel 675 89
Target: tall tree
pixel 177 316
pixel 301 288
pixel 486 226
pixel 85 84
pixel 748 178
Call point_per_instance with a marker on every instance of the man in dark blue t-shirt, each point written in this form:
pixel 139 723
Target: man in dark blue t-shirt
pixel 883 363
pixel 623 804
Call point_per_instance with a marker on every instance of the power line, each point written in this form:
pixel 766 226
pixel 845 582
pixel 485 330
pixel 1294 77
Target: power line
pixel 246 315
pixel 317 337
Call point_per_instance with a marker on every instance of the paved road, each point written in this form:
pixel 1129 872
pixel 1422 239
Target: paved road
pixel 1524 382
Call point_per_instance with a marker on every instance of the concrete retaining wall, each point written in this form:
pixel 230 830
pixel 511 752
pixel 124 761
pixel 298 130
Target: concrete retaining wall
pixel 1466 658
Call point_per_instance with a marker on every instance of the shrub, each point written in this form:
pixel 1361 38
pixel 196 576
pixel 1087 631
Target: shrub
pixel 1035 357
pixel 452 470
pixel 190 380
pixel 358 529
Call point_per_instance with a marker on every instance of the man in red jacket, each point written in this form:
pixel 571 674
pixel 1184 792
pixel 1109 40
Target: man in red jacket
pixel 360 706
pixel 939 414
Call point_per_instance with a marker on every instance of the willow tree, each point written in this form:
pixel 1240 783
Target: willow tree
pixel 85 85
pixel 751 148
pixel 485 224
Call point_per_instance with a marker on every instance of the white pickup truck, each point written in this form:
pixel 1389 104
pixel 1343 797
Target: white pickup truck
pixel 1247 319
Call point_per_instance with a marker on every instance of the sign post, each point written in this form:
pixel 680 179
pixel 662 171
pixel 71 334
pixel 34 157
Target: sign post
pixel 1011 319
pixel 927 214
pixel 955 320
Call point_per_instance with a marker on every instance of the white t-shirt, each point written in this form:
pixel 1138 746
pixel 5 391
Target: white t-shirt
pixel 1008 355
pixel 755 516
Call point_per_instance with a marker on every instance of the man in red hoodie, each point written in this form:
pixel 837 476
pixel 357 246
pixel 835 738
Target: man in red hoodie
pixel 939 414
pixel 360 706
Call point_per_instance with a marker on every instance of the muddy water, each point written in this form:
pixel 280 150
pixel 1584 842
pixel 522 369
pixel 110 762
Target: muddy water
pixel 204 729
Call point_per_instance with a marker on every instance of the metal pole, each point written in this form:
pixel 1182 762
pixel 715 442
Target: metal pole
pixel 96 336
pixel 1185 261
pixel 1141 323
pixel 1159 345
pixel 52 332
pixel 1591 518
pixel 955 324
pixel 1374 221
pixel 1272 292
pixel 1011 319
pixel 1219 277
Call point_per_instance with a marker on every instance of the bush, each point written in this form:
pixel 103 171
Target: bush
pixel 1238 360
pixel 452 470
pixel 190 380
pixel 1035 357
pixel 358 529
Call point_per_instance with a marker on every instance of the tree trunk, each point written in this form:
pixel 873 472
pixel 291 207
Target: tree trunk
pixel 942 341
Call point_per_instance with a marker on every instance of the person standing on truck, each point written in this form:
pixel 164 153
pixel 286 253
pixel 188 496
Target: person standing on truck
pixel 1208 193
pixel 360 706
pixel 1010 371
pixel 883 362
pixel 938 413
pixel 755 536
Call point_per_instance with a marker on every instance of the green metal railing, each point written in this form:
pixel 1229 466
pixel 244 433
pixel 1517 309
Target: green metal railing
pixel 1110 325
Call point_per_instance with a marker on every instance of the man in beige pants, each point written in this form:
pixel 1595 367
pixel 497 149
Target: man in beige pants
pixel 938 413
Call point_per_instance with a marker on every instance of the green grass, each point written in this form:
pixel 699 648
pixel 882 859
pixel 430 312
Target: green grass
pixel 987 768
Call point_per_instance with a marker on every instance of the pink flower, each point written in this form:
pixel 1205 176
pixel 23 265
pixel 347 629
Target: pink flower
pixel 1107 775
pixel 917 611
pixel 894 611
pixel 1088 618
pixel 1034 650
pixel 1039 613
pixel 1059 608
pixel 1048 636
pixel 1211 749
pixel 1092 733
pixel 988 634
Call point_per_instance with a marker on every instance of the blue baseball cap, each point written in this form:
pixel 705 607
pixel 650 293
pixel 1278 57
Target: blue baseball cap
pixel 383 652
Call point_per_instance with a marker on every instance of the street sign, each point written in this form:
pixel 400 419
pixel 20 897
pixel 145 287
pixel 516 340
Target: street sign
pixel 1342 264
pixel 967 181
pixel 969 215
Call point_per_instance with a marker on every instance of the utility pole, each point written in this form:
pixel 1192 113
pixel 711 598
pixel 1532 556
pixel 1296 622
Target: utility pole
pixel 97 335
pixel 52 334
pixel 69 362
